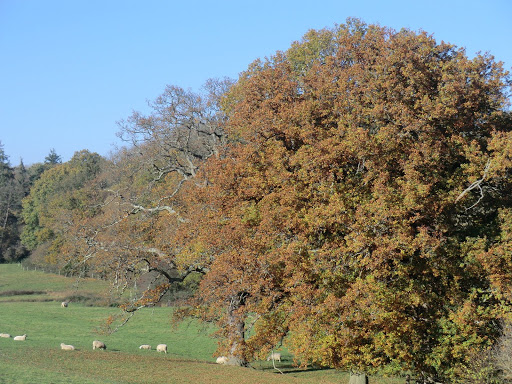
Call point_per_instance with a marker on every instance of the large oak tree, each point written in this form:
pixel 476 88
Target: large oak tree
pixel 361 211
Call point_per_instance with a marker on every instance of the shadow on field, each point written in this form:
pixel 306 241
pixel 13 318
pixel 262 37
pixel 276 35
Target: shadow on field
pixel 287 368
pixel 292 369
pixel 22 293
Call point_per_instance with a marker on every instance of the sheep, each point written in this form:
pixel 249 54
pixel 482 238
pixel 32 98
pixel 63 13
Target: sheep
pixel 161 348
pixel 145 346
pixel 64 304
pixel 67 347
pixel 20 338
pixel 222 360
pixel 98 344
pixel 274 356
pixel 6 335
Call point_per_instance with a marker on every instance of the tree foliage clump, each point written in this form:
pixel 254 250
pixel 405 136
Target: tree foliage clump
pixel 362 209
pixel 55 199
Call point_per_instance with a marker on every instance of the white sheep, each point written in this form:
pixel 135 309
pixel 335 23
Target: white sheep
pixel 222 360
pixel 6 335
pixel 161 348
pixel 67 347
pixel 274 356
pixel 145 346
pixel 64 304
pixel 20 338
pixel 98 344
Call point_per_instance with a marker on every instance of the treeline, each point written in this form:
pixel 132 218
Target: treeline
pixel 349 198
pixel 15 185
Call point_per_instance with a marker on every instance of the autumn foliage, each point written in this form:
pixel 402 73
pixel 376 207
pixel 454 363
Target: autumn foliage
pixel 362 210
pixel 348 198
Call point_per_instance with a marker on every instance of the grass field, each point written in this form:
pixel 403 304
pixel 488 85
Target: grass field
pixel 30 304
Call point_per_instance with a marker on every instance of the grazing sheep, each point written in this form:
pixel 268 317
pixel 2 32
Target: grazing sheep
pixel 145 346
pixel 67 347
pixel 274 356
pixel 98 344
pixel 64 304
pixel 6 335
pixel 20 338
pixel 161 348
pixel 222 360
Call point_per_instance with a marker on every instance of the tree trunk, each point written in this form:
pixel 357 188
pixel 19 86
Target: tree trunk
pixel 236 329
pixel 358 378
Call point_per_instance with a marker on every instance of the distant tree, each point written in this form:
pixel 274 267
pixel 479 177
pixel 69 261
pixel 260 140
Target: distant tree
pixel 24 182
pixel 13 187
pixel 36 170
pixel 6 203
pixel 52 158
pixel 22 185
pixel 362 212
pixel 53 199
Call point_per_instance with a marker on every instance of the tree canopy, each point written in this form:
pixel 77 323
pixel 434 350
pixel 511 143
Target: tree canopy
pixel 54 198
pixel 362 210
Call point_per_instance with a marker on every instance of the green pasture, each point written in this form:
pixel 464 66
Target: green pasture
pixel 30 304
pixel 17 284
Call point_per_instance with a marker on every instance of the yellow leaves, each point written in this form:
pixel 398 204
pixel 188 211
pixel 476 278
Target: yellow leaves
pixel 314 47
pixel 501 147
pixel 193 253
pixel 250 215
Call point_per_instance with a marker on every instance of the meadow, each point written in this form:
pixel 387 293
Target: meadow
pixel 30 304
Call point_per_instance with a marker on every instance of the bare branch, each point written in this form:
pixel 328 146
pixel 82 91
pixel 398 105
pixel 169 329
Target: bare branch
pixel 274 363
pixel 137 208
pixel 126 319
pixel 476 184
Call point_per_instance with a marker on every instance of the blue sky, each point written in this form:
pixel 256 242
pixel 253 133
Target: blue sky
pixel 70 69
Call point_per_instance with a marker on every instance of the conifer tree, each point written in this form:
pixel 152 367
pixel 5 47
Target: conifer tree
pixel 7 198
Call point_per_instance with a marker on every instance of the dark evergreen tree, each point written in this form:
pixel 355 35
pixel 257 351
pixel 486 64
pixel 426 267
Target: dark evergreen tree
pixel 52 158
pixel 23 179
pixel 6 204
pixel 21 188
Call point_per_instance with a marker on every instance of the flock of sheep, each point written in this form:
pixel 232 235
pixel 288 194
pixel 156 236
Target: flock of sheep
pixel 17 338
pixel 96 344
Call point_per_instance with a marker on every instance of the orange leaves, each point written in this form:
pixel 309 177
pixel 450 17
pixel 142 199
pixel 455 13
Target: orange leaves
pixel 334 207
pixel 339 215
pixel 501 147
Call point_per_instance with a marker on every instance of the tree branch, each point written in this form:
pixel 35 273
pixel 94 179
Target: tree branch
pixel 476 184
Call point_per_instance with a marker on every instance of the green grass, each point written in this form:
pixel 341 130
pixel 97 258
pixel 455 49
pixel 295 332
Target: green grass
pixel 39 359
pixel 19 285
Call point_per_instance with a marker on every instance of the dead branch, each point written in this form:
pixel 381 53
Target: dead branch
pixel 476 184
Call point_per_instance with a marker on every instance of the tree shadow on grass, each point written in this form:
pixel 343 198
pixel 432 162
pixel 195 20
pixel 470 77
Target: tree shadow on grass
pixel 286 368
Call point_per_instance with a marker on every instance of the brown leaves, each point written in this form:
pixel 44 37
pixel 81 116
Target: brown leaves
pixel 335 206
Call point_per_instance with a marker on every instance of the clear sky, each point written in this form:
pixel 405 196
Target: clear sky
pixel 70 69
